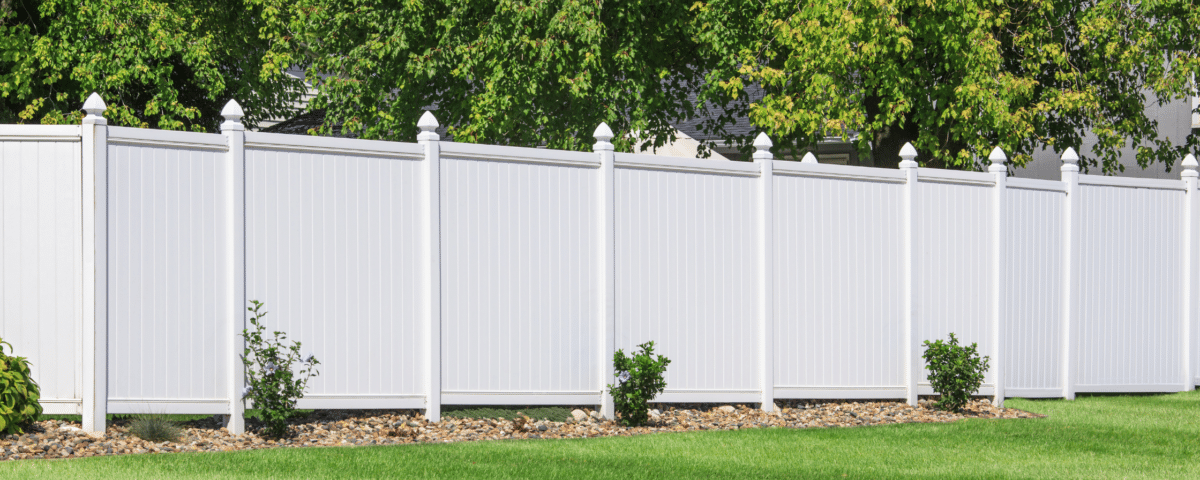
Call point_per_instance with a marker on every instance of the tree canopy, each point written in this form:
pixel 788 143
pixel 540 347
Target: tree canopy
pixel 169 64
pixel 958 78
pixel 954 78
pixel 507 71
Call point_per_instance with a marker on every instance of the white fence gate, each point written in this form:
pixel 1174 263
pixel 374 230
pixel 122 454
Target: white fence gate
pixel 443 273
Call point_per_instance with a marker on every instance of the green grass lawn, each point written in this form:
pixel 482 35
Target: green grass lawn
pixel 1092 437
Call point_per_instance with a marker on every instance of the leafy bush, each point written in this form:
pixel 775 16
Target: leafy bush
pixel 19 394
pixel 271 384
pixel 955 372
pixel 155 428
pixel 639 380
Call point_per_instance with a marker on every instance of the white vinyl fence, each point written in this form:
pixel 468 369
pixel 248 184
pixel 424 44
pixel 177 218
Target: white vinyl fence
pixel 433 273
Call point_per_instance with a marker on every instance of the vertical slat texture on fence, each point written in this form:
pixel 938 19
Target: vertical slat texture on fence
pixel 954 232
pixel 839 271
pixel 519 280
pixel 167 274
pixel 41 297
pixel 1032 325
pixel 686 258
pixel 335 251
pixel 1128 288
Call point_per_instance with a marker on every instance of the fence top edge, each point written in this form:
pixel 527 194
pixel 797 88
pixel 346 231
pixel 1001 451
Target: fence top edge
pixel 697 165
pixel 350 146
pixel 505 153
pixel 848 172
pixel 1131 182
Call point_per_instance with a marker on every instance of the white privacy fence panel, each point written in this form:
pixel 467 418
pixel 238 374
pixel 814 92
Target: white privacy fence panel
pixel 519 275
pixel 442 273
pixel 1032 275
pixel 167 273
pixel 837 267
pixel 334 249
pixel 40 247
pixel 953 270
pixel 1129 280
pixel 686 272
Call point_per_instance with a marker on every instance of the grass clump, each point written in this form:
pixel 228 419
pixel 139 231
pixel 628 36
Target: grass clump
pixel 155 428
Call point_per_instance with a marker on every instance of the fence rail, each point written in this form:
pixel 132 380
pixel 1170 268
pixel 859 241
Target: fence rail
pixel 433 273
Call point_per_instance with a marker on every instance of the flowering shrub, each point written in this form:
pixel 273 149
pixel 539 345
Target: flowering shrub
pixel 639 380
pixel 955 372
pixel 270 382
pixel 19 394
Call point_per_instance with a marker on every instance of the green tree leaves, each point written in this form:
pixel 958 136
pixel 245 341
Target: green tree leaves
pixel 156 63
pixel 508 72
pixel 958 78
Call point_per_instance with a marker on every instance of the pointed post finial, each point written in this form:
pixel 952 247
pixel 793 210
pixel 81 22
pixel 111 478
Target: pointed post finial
pixel 232 112
pixel 427 124
pixel 1189 167
pixel 95 107
pixel 762 147
pixel 1070 160
pixel 603 134
pixel 809 158
pixel 908 156
pixel 997 157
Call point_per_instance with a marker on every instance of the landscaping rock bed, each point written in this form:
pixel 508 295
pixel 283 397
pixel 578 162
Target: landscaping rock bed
pixel 57 439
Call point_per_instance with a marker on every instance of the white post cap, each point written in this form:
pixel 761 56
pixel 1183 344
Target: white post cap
pixel 95 107
pixel 1070 160
pixel 908 156
pixel 808 158
pixel 428 123
pixel 603 133
pixel 1189 167
pixel 997 157
pixel 762 147
pixel 233 116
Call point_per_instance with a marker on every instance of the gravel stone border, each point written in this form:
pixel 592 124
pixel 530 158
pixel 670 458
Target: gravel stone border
pixel 325 428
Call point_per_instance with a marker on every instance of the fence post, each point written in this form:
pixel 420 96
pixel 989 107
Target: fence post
pixel 433 262
pixel 608 274
pixel 1000 171
pixel 235 180
pixel 95 264
pixel 1070 177
pixel 766 320
pixel 1189 176
pixel 908 165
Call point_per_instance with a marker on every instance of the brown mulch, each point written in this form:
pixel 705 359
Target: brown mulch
pixel 58 439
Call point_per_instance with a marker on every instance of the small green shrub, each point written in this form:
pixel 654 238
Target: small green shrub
pixel 19 394
pixel 271 383
pixel 155 428
pixel 955 372
pixel 639 380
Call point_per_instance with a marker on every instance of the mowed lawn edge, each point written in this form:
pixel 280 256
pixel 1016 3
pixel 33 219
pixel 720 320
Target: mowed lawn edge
pixel 1152 436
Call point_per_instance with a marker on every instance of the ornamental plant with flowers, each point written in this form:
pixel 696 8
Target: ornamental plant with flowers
pixel 639 380
pixel 270 382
